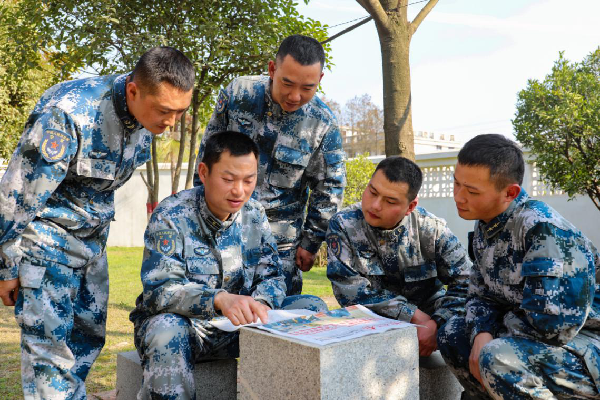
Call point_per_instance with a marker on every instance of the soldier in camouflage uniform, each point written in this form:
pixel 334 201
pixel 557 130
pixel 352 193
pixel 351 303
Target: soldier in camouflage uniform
pixel 300 149
pixel 532 324
pixel 394 257
pixel 82 141
pixel 209 251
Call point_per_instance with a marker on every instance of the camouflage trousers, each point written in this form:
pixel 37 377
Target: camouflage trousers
pixel 517 367
pixel 62 315
pixel 170 345
pixel 291 273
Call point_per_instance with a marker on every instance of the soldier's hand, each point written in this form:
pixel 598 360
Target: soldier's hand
pixel 304 259
pixel 480 340
pixel 426 332
pixel 427 336
pixel 241 310
pixel 9 291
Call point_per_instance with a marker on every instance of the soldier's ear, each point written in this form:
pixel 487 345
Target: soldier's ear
pixel 512 192
pixel 412 205
pixel 203 172
pixel 272 68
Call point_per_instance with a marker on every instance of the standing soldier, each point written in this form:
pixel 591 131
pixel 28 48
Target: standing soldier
pixel 532 325
pixel 83 140
pixel 300 149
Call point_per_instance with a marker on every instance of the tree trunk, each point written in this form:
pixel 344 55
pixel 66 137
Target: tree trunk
pixel 156 182
pixel 397 102
pixel 193 136
pixel 177 172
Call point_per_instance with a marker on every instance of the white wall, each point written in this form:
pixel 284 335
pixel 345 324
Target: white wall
pixel 130 206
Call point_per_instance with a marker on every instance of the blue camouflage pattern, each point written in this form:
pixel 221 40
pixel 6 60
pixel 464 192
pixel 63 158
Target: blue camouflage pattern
pixel 238 255
pixel 300 152
pixel 534 288
pixel 79 145
pixel 393 272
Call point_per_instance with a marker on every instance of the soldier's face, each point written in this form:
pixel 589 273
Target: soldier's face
pixel 157 111
pixel 477 197
pixel 385 203
pixel 294 84
pixel 229 183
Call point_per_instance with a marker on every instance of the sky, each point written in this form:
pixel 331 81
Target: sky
pixel 469 58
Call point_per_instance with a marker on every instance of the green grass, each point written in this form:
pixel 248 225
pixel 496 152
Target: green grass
pixel 125 285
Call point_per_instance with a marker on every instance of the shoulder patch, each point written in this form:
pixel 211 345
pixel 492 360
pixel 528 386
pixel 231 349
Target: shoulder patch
pixel 54 145
pixel 222 101
pixel 333 241
pixel 165 241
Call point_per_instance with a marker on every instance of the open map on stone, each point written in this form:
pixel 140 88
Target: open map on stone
pixel 324 328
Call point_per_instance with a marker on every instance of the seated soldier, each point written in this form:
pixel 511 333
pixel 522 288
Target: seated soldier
pixel 394 257
pixel 209 251
pixel 531 326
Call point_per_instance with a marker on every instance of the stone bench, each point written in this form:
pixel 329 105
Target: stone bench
pixel 436 381
pixel 381 366
pixel 214 379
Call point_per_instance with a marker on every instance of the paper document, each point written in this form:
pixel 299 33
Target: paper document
pixel 224 324
pixel 334 326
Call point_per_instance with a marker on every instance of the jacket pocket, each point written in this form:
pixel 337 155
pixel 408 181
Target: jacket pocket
pixel 96 168
pixel 541 290
pixel 415 273
pixel 288 166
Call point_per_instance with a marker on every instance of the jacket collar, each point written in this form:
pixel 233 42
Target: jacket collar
pixel 497 224
pixel 120 103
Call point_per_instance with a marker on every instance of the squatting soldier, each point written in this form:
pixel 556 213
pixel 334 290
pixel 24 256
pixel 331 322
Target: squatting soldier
pixel 82 141
pixel 531 326
pixel 394 257
pixel 209 251
pixel 300 149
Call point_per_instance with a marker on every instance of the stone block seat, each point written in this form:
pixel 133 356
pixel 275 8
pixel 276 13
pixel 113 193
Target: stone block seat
pixel 215 380
pixel 436 381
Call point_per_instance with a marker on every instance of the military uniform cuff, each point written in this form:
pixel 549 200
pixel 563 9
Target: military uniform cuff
pixel 477 330
pixel 9 273
pixel 310 245
pixel 406 312
pixel 212 293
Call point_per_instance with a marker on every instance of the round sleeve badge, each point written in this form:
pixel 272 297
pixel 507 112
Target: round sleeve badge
pixel 165 241
pixel 222 101
pixel 54 145
pixel 333 242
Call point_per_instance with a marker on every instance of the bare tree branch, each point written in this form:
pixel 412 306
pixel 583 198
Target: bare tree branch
pixel 337 35
pixel 421 16
pixel 374 8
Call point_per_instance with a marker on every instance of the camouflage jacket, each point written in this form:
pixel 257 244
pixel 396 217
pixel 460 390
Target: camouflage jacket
pixel 190 256
pixel 534 275
pixel 57 197
pixel 394 272
pixel 298 151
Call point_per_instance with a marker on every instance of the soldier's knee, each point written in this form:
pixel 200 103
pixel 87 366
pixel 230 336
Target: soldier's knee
pixel 165 329
pixel 498 357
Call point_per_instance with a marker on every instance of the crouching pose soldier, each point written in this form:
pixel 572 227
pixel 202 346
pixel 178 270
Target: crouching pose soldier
pixel 531 329
pixel 209 252
pixel 394 257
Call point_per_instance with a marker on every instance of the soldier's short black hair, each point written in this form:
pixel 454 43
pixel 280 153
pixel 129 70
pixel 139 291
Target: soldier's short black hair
pixel 164 64
pixel 304 49
pixel 236 143
pixel 501 155
pixel 399 169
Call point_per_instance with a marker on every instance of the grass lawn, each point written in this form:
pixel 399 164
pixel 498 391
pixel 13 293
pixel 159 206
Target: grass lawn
pixel 125 285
